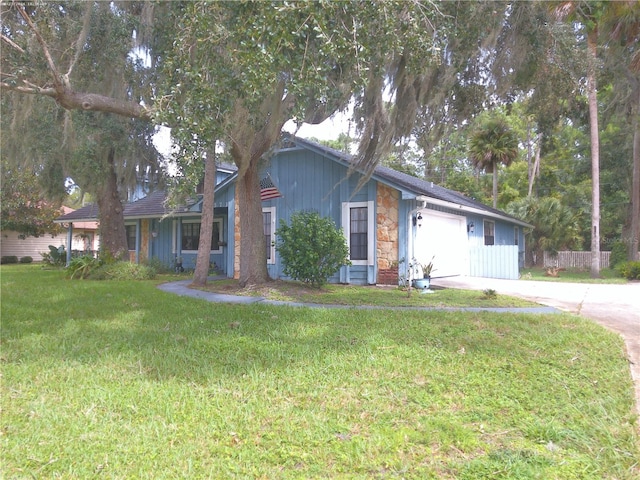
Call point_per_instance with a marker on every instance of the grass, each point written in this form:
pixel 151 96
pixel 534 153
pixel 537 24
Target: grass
pixel 379 296
pixel 119 379
pixel 607 275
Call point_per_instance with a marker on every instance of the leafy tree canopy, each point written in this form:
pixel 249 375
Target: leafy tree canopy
pixel 23 208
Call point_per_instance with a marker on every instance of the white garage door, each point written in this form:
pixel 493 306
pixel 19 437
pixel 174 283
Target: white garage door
pixel 443 237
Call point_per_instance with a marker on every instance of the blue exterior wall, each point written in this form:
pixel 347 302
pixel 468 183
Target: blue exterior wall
pixel 309 182
pixel 504 234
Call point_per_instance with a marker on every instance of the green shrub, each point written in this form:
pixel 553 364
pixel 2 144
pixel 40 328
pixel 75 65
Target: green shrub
pixel 26 259
pixel 57 256
pixel 629 270
pixel 123 271
pixel 8 259
pixel 618 254
pixel 155 264
pixel 81 267
pixel 311 248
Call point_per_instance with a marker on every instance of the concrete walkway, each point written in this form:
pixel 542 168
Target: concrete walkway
pixel 616 307
pixel 182 288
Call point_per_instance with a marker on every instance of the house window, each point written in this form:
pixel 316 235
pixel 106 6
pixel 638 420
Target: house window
pixel 131 236
pixel 191 235
pixel 489 232
pixel 358 233
pixel 358 226
pixel 269 222
pixel 516 235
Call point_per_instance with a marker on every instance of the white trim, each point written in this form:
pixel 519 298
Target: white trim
pixel 484 232
pixel 484 213
pixel 371 229
pixel 272 253
pixel 195 220
pixel 132 223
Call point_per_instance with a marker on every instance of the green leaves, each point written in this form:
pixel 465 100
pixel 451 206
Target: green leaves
pixel 312 248
pixel 493 142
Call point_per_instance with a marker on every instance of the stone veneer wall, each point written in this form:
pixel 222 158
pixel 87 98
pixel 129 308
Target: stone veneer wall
pixel 387 234
pixel 144 239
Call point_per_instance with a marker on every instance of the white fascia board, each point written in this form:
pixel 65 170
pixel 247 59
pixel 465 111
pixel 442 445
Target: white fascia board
pixel 478 211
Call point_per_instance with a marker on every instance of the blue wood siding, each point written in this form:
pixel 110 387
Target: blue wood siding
pixel 311 181
pixel 308 182
pixel 165 246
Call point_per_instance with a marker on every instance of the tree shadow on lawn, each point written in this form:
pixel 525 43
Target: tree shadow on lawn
pixel 173 337
pixel 403 366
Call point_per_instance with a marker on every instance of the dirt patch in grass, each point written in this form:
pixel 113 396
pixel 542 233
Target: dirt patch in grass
pixel 372 295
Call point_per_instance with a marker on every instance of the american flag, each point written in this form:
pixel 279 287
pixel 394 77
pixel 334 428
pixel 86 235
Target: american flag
pixel 268 190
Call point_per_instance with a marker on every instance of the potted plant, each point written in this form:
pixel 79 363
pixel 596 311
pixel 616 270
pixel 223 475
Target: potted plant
pixel 427 268
pixel 425 282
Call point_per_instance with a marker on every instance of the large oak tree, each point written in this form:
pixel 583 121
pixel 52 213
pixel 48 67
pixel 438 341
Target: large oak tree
pixel 78 54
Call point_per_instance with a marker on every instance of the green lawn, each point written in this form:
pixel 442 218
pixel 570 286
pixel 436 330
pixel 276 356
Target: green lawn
pixel 607 275
pixel 120 380
pixel 379 296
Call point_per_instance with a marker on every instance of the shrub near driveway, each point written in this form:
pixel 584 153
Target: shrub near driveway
pixel 120 379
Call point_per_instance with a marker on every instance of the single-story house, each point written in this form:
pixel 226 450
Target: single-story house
pixel 83 238
pixel 392 221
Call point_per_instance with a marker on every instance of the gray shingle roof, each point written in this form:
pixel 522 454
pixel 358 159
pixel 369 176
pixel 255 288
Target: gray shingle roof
pixel 409 182
pixel 153 205
pixel 150 206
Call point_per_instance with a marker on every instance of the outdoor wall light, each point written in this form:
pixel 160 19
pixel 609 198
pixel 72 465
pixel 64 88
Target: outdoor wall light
pixel 470 228
pixel 154 234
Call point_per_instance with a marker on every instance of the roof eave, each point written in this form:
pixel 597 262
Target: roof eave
pixel 477 211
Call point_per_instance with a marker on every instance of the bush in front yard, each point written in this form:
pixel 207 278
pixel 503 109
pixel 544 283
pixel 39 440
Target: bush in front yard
pixel 123 271
pixel 629 270
pixel 618 254
pixel 26 259
pixel 56 256
pixel 81 267
pixel 8 259
pixel 312 248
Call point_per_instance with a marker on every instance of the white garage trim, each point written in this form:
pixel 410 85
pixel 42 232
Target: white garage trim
pixel 443 237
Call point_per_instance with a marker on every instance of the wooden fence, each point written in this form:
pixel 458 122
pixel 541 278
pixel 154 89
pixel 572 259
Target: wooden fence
pixel 575 260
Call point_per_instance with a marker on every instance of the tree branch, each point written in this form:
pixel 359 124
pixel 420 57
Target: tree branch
pixel 31 90
pixel 93 102
pixel 82 37
pixel 12 43
pixel 57 80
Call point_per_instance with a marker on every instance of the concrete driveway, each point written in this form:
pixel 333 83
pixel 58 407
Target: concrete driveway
pixel 616 307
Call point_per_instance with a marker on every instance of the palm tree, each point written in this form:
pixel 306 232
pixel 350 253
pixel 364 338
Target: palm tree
pixel 493 142
pixel 589 13
pixel 556 226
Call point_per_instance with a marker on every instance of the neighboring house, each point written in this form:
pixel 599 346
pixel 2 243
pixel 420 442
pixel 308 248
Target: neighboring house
pixel 83 238
pixel 392 218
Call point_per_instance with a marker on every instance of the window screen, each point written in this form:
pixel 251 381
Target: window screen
pixel 358 233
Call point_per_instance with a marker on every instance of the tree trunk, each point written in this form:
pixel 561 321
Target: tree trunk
pixel 247 147
pixel 635 187
pixel 592 40
pixel 253 254
pixel 534 170
pixel 206 224
pixel 113 235
pixel 495 185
